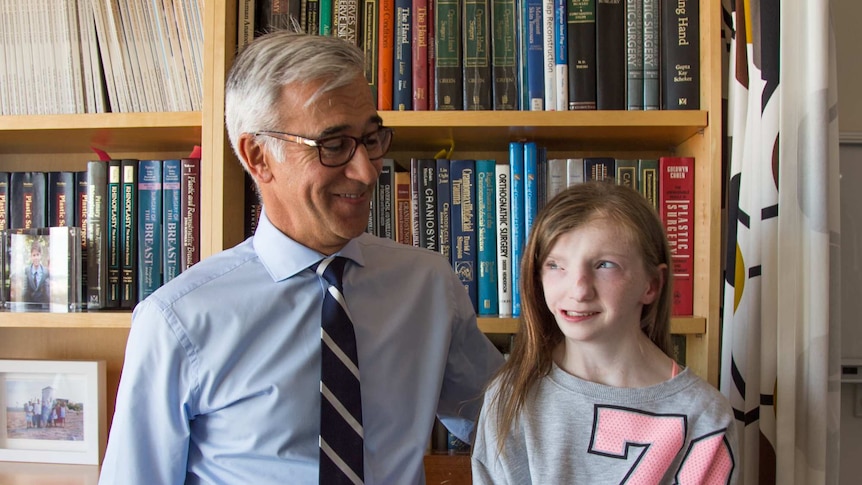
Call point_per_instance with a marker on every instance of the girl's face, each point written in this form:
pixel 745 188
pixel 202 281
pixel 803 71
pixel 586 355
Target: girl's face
pixel 595 284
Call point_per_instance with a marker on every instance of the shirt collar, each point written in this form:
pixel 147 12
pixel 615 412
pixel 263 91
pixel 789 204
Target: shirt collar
pixel 283 257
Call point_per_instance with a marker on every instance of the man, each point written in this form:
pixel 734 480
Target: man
pixel 222 381
pixel 37 288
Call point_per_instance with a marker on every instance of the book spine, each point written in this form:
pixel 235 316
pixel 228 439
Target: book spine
pixel 531 185
pixel 149 274
pixel 504 54
pixel 555 177
pixel 420 55
pixel 97 240
pixel 190 228
pixel 251 202
pixel 531 28
pixel 4 200
pixel 428 224
pixel 651 50
pixel 61 199
pixel 504 243
pixel 370 43
pixel 448 91
pixel 676 208
pixel 610 55
pixel 385 216
pixel 680 54
pixel 171 219
pixel 245 24
pixel 386 54
pixel 402 97
pixel 403 222
pixel 345 20
pixel 463 220
pixel 648 184
pixel 129 234
pixel 114 227
pixel 325 17
pixel 486 236
pixel 517 224
pixel 626 173
pixel 574 171
pixel 477 55
pixel 444 202
pixel 312 16
pixel 415 174
pixel 549 54
pixel 27 192
pixel 598 168
pixel 432 55
pixel 561 56
pixel 634 55
pixel 581 25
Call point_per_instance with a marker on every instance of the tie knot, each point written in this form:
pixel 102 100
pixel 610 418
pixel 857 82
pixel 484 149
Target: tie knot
pixel 331 269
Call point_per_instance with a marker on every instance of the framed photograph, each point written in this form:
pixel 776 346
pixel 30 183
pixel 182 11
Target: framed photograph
pixel 52 411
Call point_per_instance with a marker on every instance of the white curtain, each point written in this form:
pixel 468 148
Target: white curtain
pixel 780 365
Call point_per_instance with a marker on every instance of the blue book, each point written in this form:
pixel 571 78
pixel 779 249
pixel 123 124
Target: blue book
pixel 463 225
pixel 517 215
pixel 599 168
pixel 486 237
pixel 444 242
pixel 402 75
pixel 149 273
pixel 171 170
pixel 531 185
pixel 531 28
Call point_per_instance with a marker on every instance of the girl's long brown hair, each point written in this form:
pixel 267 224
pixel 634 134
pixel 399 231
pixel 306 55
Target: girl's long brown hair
pixel 538 334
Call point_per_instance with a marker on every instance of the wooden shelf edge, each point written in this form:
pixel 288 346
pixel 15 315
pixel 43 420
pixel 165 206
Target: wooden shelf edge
pixel 80 320
pixel 101 120
pixel 48 474
pixel 692 325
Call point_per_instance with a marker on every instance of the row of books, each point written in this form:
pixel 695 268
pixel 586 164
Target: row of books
pixel 95 56
pixel 139 221
pixel 478 213
pixel 539 55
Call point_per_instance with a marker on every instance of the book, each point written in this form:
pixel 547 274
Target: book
pixel 556 178
pixel 190 201
pixel 385 54
pixel 245 23
pixel 626 173
pixel 62 192
pixel 402 74
pixel 4 200
pixel 680 54
pixel 275 15
pixel 444 203
pixel 385 198
pixel 113 230
pixel 651 52
pixel 598 168
pixel 504 243
pixel 252 204
pixel 634 54
pixel 312 17
pixel 325 17
pixel 676 208
pixel 370 42
pixel 610 54
pixel 345 20
pixel 534 78
pixel 561 56
pixel 476 33
pixel 149 274
pixel 27 192
pixel 463 225
pixel 486 236
pixel 432 55
pixel 581 37
pixel 448 85
pixel 531 186
pixel 419 35
pixel 517 224
pixel 129 233
pixel 171 169
pixel 504 55
pixel 403 222
pixel 549 54
pixel 426 201
pixel 574 171
pixel 80 219
pixel 97 240
pixel 648 180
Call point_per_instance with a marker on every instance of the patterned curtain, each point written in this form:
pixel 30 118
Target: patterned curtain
pixel 780 360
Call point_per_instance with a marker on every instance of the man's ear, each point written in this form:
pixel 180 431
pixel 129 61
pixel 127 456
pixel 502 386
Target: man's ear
pixel 255 157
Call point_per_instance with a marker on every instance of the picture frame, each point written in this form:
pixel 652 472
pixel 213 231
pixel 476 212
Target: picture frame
pixel 71 428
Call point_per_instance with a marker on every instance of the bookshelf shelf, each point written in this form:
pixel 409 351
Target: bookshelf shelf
pixel 81 320
pixel 119 132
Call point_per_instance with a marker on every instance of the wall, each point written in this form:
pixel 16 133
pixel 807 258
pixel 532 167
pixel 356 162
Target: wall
pixel 846 15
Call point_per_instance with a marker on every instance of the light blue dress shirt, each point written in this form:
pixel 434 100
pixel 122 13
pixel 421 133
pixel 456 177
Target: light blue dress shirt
pixel 221 376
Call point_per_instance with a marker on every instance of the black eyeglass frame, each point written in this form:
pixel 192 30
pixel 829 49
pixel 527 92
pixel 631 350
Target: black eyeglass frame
pixel 319 143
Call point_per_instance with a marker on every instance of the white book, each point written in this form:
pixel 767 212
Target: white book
pixel 556 177
pixel 504 245
pixel 549 54
pixel 575 171
pixel 561 56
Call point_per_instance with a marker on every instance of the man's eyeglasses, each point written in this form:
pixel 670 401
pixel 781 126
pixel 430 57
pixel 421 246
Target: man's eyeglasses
pixel 335 151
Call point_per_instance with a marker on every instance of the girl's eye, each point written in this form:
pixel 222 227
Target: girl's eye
pixel 607 265
pixel 551 265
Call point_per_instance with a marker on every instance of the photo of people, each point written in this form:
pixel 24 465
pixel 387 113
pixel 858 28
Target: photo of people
pixel 45 407
pixel 31 276
pixel 42 269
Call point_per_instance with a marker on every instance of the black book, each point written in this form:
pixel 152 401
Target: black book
pixel 581 38
pixel 610 54
pixel 680 55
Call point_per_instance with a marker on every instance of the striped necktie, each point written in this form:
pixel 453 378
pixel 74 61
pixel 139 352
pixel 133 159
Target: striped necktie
pixel 341 434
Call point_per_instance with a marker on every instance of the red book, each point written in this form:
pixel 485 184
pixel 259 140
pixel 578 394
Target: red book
pixel 676 207
pixel 420 55
pixel 404 216
pixel 386 53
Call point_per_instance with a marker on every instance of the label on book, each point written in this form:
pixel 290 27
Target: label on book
pixel 676 207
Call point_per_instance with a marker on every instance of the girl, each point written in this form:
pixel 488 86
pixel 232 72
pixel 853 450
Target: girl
pixel 589 393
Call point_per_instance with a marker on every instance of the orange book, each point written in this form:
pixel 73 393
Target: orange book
pixel 386 53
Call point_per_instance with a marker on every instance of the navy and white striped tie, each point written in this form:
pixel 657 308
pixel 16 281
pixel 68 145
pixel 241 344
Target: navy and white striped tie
pixel 341 435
